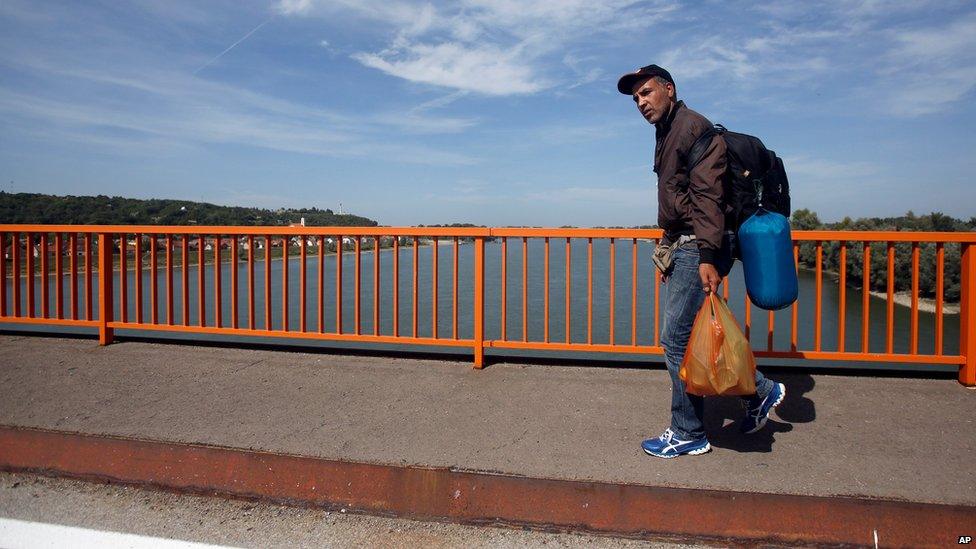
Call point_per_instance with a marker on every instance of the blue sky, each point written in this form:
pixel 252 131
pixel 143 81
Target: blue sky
pixel 496 113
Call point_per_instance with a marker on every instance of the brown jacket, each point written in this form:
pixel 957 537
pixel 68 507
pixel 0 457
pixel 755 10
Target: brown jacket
pixel 689 205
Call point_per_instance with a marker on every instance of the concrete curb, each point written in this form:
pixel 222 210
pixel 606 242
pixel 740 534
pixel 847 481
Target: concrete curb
pixel 472 497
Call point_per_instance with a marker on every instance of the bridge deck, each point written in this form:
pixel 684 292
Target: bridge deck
pixel 910 439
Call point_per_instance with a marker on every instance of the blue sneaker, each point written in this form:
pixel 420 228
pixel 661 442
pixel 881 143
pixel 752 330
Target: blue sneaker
pixel 668 446
pixel 756 417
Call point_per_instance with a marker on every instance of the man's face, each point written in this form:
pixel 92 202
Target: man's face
pixel 653 99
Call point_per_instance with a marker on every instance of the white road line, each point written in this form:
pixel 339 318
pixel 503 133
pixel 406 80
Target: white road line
pixel 20 534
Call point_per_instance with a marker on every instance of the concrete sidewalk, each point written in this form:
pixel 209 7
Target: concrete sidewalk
pixel 910 439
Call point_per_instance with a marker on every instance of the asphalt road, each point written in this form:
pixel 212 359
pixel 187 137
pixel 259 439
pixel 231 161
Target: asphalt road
pixel 237 523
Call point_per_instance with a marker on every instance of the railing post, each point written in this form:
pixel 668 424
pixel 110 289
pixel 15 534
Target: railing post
pixel 967 316
pixel 105 303
pixel 479 302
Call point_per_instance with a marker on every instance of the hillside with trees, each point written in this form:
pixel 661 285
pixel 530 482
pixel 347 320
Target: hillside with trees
pixel 17 208
pixel 806 220
pixel 115 210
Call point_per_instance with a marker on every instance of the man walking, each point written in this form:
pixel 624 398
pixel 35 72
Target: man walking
pixel 691 210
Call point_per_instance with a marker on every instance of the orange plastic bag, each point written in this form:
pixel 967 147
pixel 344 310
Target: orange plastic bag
pixel 718 360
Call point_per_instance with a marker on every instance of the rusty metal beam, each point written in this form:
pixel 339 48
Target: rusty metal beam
pixel 484 498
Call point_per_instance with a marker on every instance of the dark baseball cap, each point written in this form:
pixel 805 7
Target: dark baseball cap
pixel 626 83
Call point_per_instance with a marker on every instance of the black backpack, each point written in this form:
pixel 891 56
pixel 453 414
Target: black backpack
pixel 754 177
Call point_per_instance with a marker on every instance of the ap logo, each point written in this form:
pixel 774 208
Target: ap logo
pixel 965 540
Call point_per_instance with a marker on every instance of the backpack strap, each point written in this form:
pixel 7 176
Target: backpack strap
pixel 701 144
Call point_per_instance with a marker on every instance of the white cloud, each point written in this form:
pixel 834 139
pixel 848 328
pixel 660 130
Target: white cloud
pixel 439 102
pixel 932 68
pixel 294 7
pixel 481 69
pixel 184 109
pixel 880 56
pixel 710 57
pixel 930 43
pixel 583 75
pixel 502 47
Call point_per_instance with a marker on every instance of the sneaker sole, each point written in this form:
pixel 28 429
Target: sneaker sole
pixel 762 423
pixel 696 452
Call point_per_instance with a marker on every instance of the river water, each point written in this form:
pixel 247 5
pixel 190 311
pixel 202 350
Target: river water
pixel 557 287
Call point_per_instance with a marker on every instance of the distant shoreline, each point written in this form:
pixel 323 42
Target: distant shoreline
pixel 903 298
pixel 161 266
pixel 925 304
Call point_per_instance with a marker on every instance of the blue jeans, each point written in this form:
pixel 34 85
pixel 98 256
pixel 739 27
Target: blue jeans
pixel 683 298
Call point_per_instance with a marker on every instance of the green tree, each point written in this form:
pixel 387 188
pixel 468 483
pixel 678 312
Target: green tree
pixel 902 274
pixel 805 219
pixel 104 210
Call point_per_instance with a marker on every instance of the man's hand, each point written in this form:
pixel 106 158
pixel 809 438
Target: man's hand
pixel 709 277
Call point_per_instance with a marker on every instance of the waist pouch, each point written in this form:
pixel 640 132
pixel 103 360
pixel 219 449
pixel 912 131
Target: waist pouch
pixel 663 253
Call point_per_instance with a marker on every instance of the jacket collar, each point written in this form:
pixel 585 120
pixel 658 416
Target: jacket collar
pixel 664 124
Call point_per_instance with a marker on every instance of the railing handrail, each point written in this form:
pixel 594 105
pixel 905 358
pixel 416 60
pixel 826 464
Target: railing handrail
pixel 529 232
pixel 886 236
pixel 273 230
pixel 163 260
pixel 574 232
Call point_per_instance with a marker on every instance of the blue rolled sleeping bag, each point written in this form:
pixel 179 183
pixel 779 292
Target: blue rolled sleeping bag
pixel 766 248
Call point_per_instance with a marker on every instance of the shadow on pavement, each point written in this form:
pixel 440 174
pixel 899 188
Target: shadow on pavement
pixel 723 415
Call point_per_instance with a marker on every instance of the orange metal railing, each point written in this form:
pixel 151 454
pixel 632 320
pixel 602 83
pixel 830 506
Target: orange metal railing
pixel 163 257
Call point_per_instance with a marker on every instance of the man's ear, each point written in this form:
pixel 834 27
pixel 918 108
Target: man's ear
pixel 670 87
